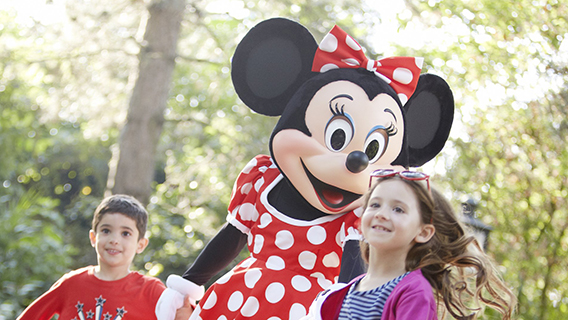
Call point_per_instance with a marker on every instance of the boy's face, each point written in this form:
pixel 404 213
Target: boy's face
pixel 116 241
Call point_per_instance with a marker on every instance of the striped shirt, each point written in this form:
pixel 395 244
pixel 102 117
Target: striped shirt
pixel 367 305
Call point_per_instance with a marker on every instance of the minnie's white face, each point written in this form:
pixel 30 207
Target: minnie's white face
pixel 341 119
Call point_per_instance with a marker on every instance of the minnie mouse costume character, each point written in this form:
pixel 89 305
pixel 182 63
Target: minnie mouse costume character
pixel 342 117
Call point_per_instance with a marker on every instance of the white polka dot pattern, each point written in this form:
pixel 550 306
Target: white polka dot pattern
pixel 246 188
pixel 317 235
pixel 225 278
pixel 258 184
pixel 329 43
pixel 307 260
pixel 301 283
pixel 331 260
pixel 248 212
pixel 275 263
pixel 402 75
pixel 258 243
pixel 235 301
pixel 265 220
pixel 297 311
pixel 284 239
pixel 251 277
pixel 211 301
pixel 251 307
pixel 289 264
pixel 352 43
pixel 275 292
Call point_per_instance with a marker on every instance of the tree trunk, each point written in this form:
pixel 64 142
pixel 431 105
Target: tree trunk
pixel 139 138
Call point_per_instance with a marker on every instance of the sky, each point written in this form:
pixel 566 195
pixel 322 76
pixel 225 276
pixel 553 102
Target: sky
pixel 37 9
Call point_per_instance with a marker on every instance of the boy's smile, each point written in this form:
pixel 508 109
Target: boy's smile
pixel 116 241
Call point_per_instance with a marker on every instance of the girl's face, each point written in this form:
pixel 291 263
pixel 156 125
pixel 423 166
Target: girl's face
pixel 392 220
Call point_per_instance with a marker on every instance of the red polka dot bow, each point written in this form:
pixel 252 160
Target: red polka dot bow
pixel 339 50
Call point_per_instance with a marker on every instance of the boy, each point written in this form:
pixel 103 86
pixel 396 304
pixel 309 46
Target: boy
pixel 110 290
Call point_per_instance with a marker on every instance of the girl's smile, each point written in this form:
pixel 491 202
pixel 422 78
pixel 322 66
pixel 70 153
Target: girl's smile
pixel 392 219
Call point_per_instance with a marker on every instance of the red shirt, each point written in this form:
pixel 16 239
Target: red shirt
pixel 80 295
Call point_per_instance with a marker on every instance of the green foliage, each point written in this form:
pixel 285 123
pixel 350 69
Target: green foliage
pixel 64 91
pixel 31 228
pixel 509 77
pixel 47 169
pixel 33 249
pixel 520 177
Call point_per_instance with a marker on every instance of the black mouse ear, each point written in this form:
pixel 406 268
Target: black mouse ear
pixel 428 117
pixel 271 62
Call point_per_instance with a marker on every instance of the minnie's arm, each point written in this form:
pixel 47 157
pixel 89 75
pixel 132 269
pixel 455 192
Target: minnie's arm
pixel 216 255
pixel 351 263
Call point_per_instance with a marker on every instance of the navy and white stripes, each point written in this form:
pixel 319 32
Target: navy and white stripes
pixel 367 305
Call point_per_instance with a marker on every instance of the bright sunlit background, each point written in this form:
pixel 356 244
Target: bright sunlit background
pixel 67 72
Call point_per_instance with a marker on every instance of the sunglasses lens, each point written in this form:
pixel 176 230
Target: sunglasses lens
pixel 382 173
pixel 413 175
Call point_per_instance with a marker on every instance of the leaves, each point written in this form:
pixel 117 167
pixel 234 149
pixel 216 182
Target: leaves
pixel 510 150
pixel 65 85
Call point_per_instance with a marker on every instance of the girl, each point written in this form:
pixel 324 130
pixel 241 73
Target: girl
pixel 418 255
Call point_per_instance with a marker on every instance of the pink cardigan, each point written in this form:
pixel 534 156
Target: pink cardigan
pixel 411 299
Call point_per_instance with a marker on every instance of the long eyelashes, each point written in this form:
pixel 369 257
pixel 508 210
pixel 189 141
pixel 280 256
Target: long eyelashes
pixel 336 111
pixel 391 130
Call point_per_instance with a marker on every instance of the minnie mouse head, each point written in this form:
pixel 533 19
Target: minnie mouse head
pixel 342 115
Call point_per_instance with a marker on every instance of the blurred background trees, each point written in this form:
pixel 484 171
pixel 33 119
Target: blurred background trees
pixel 68 70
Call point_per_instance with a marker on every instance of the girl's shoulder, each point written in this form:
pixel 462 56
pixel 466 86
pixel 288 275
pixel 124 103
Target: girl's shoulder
pixel 415 278
pixel 414 284
pixel 412 296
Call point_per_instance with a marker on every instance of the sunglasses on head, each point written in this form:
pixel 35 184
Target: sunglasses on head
pixel 407 175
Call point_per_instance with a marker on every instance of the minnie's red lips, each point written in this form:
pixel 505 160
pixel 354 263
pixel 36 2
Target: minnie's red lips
pixel 332 198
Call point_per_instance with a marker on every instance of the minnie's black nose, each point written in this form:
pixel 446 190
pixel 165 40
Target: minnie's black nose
pixel 357 161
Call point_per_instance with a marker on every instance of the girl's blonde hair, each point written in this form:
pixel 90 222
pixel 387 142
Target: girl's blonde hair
pixel 451 259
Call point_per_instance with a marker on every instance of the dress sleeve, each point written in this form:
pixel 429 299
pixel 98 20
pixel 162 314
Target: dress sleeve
pixel 242 209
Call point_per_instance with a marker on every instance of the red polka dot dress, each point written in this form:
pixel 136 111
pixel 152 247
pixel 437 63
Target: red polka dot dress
pixel 291 260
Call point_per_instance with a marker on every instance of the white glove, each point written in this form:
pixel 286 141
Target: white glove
pixel 173 297
pixel 167 305
pixel 185 287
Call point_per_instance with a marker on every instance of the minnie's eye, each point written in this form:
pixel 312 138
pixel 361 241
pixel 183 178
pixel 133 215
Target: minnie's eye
pixel 376 144
pixel 338 133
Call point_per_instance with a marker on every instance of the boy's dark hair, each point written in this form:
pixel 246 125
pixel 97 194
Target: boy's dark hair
pixel 125 205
